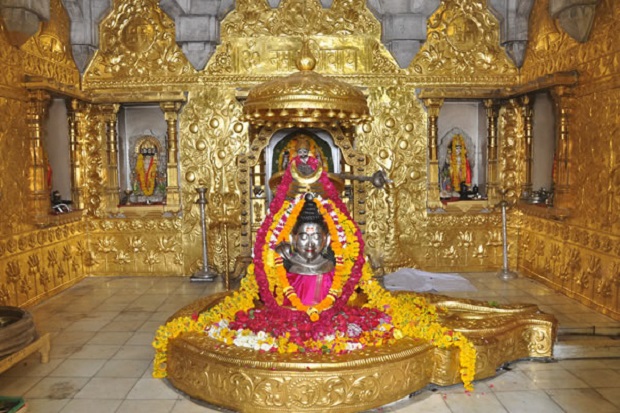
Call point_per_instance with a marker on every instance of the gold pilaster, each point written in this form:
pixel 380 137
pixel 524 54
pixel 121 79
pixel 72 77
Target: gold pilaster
pixel 74 108
pixel 39 189
pixel 492 167
pixel 112 188
pixel 526 106
pixel 171 114
pixel 562 177
pixel 433 106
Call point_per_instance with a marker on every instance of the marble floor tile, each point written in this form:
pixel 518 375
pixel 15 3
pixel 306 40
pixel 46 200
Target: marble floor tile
pixel 581 401
pixel 46 405
pixel 111 338
pixel 32 367
pixel 188 406
pixel 124 368
pixel 514 380
pixel 128 352
pixel 107 388
pixel 528 401
pixel 474 402
pixel 78 368
pixel 56 388
pixel 555 379
pixel 17 386
pixel 426 402
pixel 599 378
pixel 152 389
pixel 146 406
pixel 92 406
pixel 96 351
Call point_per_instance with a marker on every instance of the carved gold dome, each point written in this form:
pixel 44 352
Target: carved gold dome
pixel 306 96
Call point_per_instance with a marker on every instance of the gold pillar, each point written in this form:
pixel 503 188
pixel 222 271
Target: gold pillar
pixel 526 106
pixel 562 165
pixel 74 109
pixel 492 165
pixel 38 170
pixel 433 106
pixel 173 198
pixel 112 190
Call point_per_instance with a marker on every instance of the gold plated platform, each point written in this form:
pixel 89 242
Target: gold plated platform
pixel 249 381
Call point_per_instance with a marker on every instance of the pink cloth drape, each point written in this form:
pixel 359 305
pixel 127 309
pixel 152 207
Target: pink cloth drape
pixel 310 289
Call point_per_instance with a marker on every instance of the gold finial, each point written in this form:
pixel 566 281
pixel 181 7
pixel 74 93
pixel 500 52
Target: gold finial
pixel 305 60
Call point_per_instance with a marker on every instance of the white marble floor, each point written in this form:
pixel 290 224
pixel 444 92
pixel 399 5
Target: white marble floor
pixel 102 330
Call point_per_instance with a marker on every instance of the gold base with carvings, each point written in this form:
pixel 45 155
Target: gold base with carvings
pixel 248 381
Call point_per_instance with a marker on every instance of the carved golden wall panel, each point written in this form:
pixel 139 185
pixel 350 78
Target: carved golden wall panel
pixel 36 264
pixel 511 150
pixel 595 161
pixel 579 256
pixel 138 246
pixel 212 138
pixel 259 40
pixel 462 47
pixel 468 241
pixel 48 53
pixel 395 142
pixel 581 263
pixel 93 136
pixel 268 56
pixel 138 48
pixel 14 185
pixel 254 18
pixel 551 50
pixel 10 61
pixel 346 41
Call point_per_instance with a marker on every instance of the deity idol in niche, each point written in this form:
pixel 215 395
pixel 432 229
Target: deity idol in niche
pixel 460 168
pixel 146 168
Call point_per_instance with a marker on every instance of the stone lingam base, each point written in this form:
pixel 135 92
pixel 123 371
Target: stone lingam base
pixel 245 380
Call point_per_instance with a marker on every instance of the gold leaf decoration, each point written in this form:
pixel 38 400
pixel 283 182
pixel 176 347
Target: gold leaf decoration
pixel 463 46
pixel 137 43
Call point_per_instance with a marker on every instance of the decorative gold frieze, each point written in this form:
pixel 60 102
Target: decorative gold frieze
pixel 140 246
pixel 36 264
pixel 583 264
pixel 137 47
pixel 48 53
pixel 462 47
pixel 254 18
pixel 345 39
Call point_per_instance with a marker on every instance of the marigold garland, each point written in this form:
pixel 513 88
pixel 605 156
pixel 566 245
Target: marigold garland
pixel 147 178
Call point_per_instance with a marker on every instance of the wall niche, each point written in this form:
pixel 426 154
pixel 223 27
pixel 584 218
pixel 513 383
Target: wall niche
pixel 462 150
pixel 143 159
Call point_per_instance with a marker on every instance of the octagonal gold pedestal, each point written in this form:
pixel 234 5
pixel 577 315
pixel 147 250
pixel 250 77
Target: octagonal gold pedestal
pixel 249 381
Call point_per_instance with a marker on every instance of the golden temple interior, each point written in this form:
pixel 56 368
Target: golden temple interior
pixel 145 87
pixel 140 101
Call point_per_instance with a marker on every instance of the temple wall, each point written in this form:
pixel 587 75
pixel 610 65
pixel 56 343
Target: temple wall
pixel 38 259
pixel 40 254
pixel 580 255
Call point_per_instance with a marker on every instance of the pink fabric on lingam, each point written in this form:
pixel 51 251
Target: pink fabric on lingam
pixel 305 287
